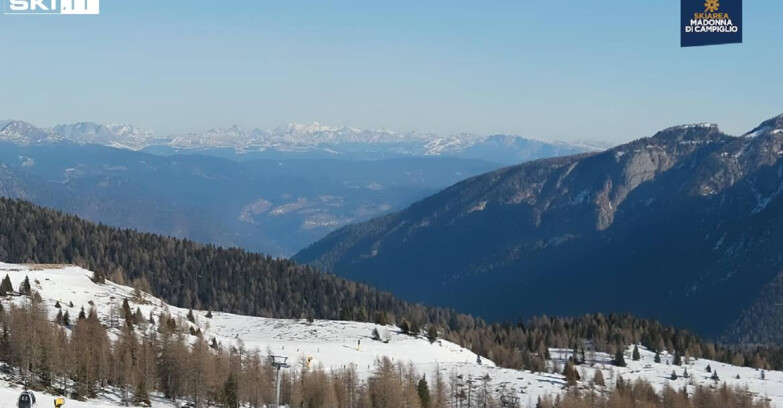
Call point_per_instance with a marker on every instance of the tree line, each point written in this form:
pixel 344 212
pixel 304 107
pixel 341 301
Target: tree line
pixel 192 275
pixel 641 394
pixel 166 356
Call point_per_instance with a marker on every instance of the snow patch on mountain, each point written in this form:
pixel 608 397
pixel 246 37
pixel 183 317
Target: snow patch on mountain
pixel 298 138
pixel 23 133
pixel 122 136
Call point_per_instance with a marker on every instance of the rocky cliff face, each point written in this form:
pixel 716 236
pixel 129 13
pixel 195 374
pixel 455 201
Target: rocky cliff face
pixel 684 226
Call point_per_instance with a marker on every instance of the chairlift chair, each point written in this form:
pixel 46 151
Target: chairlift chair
pixel 26 400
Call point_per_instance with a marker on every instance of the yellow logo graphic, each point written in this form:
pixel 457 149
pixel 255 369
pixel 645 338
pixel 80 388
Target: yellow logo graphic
pixel 711 6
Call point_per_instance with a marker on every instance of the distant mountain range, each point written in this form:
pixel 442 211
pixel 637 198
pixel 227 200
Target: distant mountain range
pixel 271 191
pixel 685 226
pixel 297 141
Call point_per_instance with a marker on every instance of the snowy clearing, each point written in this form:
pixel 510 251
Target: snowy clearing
pixel 334 344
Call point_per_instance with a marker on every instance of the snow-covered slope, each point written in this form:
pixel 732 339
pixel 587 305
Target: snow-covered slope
pixel 121 136
pixel 23 133
pixel 335 344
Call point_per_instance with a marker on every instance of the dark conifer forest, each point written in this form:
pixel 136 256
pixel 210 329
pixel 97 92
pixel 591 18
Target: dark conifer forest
pixel 192 275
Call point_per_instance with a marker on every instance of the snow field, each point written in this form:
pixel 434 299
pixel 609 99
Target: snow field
pixel 335 344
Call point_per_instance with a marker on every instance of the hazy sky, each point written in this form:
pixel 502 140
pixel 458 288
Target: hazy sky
pixel 549 69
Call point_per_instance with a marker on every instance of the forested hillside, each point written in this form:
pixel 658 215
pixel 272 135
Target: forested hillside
pixel 192 275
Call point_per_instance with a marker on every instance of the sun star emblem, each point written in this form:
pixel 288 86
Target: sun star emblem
pixel 711 6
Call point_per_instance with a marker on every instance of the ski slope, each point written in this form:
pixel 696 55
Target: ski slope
pixel 334 344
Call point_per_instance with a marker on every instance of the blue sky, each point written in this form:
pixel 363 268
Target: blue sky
pixel 568 70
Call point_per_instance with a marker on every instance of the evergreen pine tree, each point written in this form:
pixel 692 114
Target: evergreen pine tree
pixel 414 330
pixel 5 344
pixel 66 319
pixel 673 376
pixel 715 376
pixel 657 358
pixel 191 318
pixel 677 358
pixel 423 389
pixel 230 388
pixel 127 314
pixel 709 369
pixel 138 317
pixel 5 287
pixel 98 277
pixel 24 288
pixel 432 334
pixel 171 324
pixel 636 355
pixel 381 318
pixel 619 358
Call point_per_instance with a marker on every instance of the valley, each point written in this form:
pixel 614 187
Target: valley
pixel 678 226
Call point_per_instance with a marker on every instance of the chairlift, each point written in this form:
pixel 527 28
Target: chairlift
pixel 26 400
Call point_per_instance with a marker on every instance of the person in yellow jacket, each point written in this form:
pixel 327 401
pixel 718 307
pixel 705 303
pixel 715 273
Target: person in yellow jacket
pixel 59 402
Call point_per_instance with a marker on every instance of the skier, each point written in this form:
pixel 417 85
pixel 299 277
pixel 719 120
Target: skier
pixel 26 400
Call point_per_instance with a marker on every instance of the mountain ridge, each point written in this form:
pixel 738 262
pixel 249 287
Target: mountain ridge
pixel 298 139
pixel 691 209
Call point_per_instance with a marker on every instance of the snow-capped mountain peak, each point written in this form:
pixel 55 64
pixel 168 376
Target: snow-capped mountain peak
pixel 296 138
pixel 773 125
pixel 24 133
pixel 113 134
